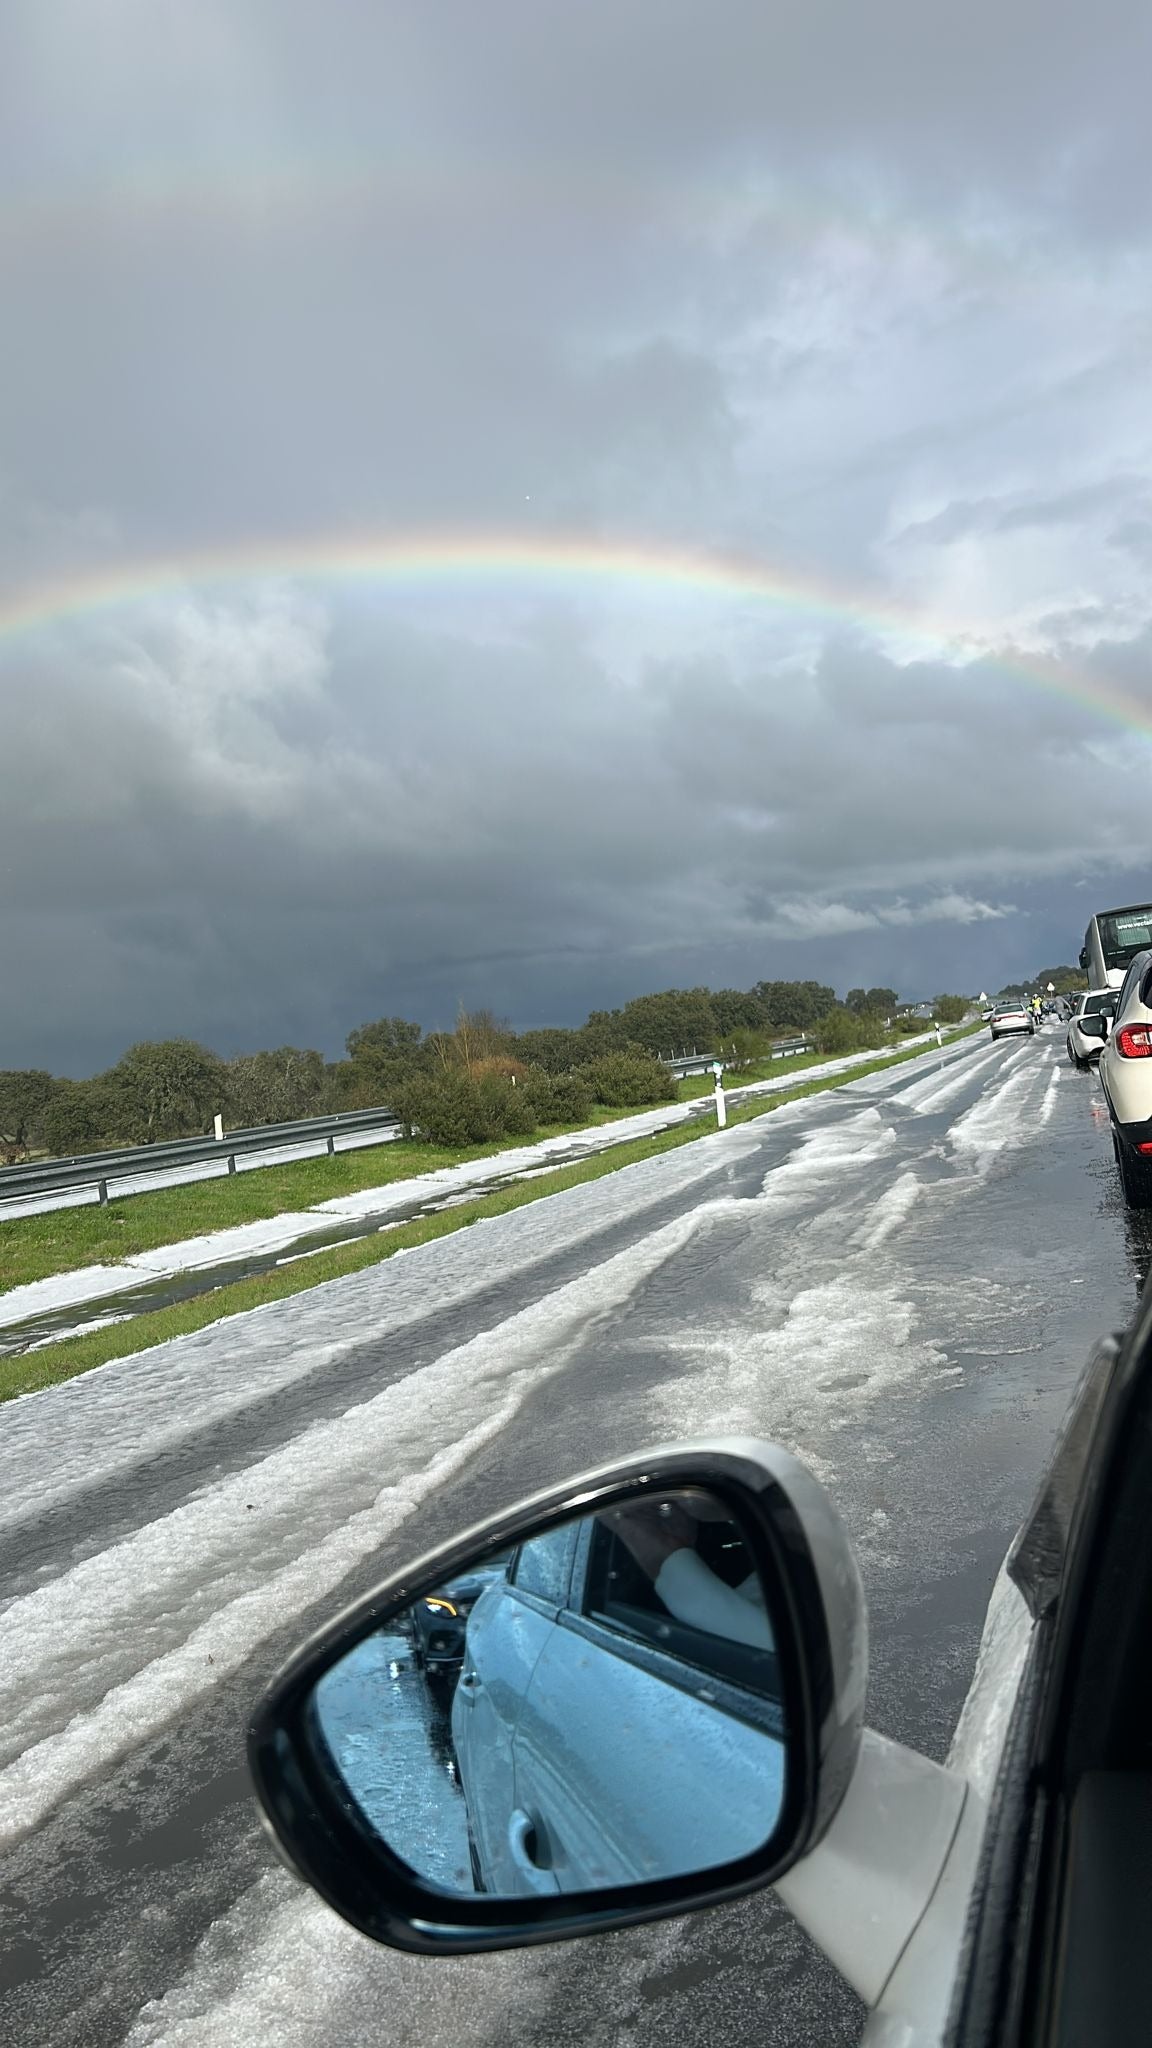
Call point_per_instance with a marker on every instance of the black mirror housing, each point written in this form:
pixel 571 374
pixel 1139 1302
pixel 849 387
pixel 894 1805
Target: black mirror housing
pixel 812 1588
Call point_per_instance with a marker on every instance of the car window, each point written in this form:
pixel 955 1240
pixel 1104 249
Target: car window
pixel 543 1566
pixel 619 1594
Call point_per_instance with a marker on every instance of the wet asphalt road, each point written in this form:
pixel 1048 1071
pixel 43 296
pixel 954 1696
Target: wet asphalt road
pixel 900 1281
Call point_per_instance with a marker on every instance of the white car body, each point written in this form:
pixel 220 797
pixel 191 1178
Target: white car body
pixel 1083 1047
pixel 1009 1017
pixel 1126 1076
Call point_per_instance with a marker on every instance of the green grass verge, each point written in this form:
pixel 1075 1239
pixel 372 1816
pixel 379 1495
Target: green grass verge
pixel 695 1085
pixel 36 1369
pixel 34 1247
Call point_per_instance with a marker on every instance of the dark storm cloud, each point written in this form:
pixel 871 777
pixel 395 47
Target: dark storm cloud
pixel 863 292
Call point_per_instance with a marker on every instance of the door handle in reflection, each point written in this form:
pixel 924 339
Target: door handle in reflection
pixel 522 1837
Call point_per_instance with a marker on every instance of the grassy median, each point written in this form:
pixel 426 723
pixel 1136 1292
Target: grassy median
pixel 94 1234
pixel 73 1355
pixel 35 1247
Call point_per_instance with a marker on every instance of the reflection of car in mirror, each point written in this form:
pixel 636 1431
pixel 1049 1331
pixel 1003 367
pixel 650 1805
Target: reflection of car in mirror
pixel 620 1723
pixel 439 1621
pixel 603 1679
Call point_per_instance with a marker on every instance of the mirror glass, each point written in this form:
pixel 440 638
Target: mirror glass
pixel 599 1706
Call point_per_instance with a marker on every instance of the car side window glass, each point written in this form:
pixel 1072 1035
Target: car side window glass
pixel 712 1618
pixel 542 1566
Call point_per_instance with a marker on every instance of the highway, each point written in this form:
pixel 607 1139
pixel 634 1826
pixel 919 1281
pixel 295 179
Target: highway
pixel 900 1281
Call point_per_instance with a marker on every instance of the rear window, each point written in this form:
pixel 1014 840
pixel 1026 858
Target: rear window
pixel 1125 933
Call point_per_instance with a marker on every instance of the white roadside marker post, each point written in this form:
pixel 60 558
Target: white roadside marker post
pixel 218 1128
pixel 721 1105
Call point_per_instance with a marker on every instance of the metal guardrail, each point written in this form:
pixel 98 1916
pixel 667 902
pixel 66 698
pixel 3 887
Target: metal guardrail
pixel 97 1169
pixel 695 1062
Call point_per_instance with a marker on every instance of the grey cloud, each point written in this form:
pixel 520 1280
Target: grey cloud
pixel 1000 515
pixel 210 871
pixel 750 284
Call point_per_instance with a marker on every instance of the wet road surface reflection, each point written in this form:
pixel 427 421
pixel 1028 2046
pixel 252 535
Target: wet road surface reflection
pixel 388 1727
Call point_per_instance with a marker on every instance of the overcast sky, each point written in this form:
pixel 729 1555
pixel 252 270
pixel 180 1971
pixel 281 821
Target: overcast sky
pixel 858 295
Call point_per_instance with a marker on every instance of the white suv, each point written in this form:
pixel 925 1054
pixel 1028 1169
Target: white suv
pixel 1126 1073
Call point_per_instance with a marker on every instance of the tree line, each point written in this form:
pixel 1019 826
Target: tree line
pixel 480 1081
pixel 1067 981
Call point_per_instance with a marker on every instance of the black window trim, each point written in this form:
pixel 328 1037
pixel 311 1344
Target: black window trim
pixel 732 1699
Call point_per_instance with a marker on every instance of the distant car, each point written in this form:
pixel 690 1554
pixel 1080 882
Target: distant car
pixel 1008 1017
pixel 440 1619
pixel 1126 1075
pixel 1089 1026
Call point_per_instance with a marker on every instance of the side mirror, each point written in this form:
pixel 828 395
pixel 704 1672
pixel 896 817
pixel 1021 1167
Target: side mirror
pixel 637 1694
pixel 1093 1026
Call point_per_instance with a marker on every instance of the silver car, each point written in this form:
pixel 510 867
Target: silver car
pixel 575 1678
pixel 1089 1026
pixel 1126 1074
pixel 1009 1017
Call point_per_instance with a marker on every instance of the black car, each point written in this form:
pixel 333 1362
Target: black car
pixel 439 1620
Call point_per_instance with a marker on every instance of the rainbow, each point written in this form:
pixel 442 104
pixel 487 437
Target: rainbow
pixel 397 561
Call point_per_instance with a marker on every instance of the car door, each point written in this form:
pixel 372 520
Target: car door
pixel 1060 1952
pixel 506 1632
pixel 1111 1060
pixel 642 1737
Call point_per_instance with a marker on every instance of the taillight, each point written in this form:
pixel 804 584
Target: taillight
pixel 1135 1041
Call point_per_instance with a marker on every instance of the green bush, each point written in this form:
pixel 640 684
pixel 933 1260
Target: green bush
pixel 625 1080
pixel 743 1048
pixel 25 1094
pixel 507 1104
pixel 951 1009
pixel 841 1031
pixel 555 1051
pixel 557 1098
pixel 453 1109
